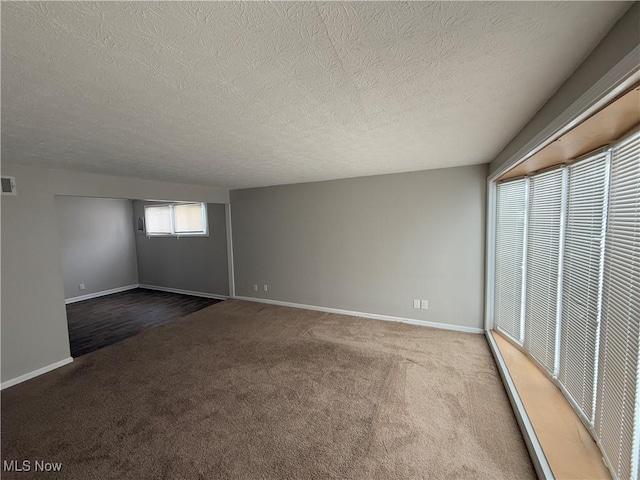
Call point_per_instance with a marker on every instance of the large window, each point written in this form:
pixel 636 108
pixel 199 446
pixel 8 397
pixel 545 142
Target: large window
pixel 176 219
pixel 567 288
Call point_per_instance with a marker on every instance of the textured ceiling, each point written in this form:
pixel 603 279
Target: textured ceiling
pixel 253 94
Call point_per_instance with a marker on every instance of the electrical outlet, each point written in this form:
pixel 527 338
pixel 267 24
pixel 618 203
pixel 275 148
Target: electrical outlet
pixel 424 304
pixel 416 304
pixel 255 287
pixel 265 288
pixel 81 286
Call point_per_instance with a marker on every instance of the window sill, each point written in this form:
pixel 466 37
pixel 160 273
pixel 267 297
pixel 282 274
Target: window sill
pixel 168 235
pixel 568 447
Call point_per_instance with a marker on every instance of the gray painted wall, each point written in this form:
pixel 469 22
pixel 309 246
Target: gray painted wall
pixel 98 245
pixel 617 44
pixel 34 324
pixel 198 264
pixel 370 244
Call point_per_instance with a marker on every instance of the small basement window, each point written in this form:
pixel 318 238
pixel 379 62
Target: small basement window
pixel 176 220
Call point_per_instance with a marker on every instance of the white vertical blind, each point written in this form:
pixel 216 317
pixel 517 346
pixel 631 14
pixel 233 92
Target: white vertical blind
pixel 617 402
pixel 586 197
pixel 542 256
pixel 509 257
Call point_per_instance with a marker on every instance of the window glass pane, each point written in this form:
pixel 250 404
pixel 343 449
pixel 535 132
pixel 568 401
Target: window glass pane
pixel 581 280
pixel 509 256
pixel 543 250
pixel 157 219
pixel 189 218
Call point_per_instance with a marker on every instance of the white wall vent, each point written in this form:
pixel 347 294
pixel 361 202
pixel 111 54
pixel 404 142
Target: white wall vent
pixel 8 185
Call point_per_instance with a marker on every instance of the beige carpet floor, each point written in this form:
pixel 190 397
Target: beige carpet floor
pixel 242 390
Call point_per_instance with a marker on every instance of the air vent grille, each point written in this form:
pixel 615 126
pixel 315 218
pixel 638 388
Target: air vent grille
pixel 8 185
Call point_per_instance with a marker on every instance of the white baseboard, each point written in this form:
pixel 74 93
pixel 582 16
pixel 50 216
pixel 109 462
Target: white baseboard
pixel 89 296
pixel 183 292
pixel 375 316
pixel 35 373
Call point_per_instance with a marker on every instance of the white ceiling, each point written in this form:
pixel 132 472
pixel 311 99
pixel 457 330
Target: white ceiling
pixel 253 94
